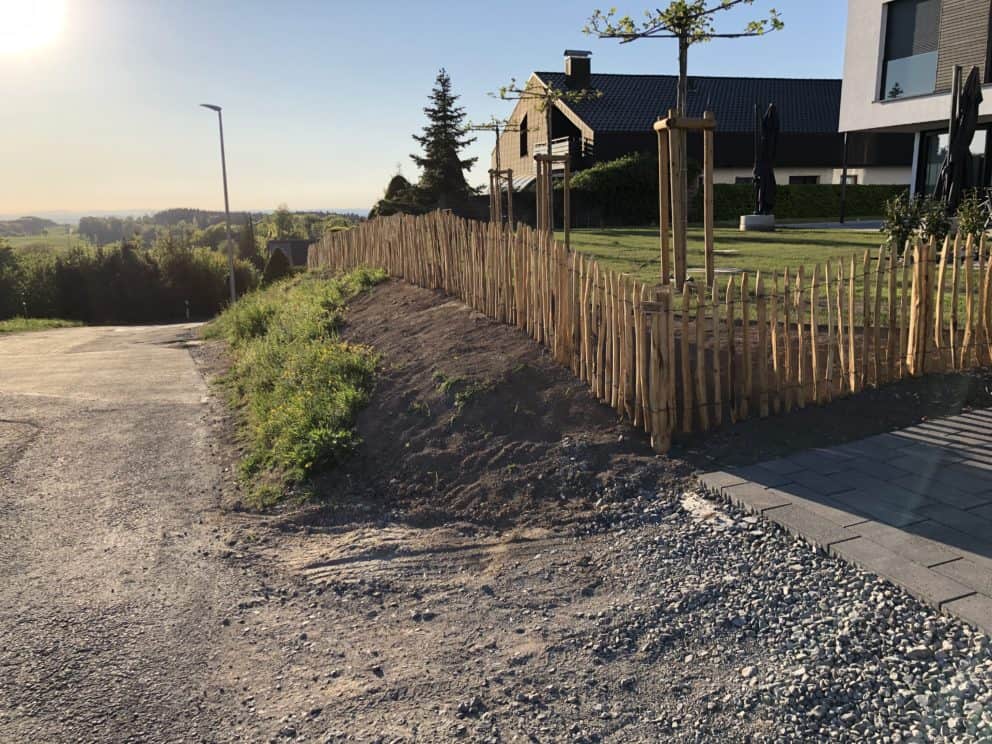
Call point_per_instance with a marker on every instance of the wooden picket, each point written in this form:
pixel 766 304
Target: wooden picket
pixel 693 359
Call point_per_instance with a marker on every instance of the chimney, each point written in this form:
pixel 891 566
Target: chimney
pixel 578 69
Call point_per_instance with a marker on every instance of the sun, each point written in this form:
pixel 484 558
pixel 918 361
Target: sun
pixel 26 25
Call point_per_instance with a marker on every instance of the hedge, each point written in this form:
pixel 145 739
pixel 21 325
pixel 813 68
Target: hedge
pixel 807 201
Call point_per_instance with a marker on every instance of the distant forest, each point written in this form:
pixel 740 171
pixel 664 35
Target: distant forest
pixel 25 226
pixel 205 228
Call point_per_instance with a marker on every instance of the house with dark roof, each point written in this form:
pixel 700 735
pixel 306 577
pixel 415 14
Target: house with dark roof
pixel 620 119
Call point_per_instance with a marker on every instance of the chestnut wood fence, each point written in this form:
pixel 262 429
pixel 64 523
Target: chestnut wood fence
pixel 686 362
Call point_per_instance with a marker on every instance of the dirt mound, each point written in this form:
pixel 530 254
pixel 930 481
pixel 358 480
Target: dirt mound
pixel 472 421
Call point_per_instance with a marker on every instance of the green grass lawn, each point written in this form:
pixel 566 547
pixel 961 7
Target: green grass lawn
pixel 54 238
pixel 635 250
pixel 22 325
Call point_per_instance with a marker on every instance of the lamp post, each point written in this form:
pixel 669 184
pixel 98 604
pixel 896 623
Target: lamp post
pixel 227 209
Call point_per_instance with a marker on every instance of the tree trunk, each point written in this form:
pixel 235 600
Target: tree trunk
pixel 682 108
pixel 682 98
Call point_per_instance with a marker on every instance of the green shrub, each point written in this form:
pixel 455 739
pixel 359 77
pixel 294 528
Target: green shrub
pixel 300 386
pixel 900 220
pixel 935 223
pixel 119 284
pixel 276 268
pixel 972 215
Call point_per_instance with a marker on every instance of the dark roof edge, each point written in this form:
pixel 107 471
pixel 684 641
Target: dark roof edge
pixel 697 77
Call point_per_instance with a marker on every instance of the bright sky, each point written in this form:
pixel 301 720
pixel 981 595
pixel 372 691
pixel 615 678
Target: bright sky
pixel 99 111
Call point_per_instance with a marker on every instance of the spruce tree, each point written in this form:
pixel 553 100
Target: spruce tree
pixel 443 172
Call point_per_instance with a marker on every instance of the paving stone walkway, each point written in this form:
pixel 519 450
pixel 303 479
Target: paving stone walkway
pixel 914 506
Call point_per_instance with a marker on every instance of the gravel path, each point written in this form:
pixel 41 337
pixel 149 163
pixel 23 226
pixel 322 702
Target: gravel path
pixel 132 607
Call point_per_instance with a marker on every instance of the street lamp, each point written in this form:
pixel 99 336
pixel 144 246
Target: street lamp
pixel 227 209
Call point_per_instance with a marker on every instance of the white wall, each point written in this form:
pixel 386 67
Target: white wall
pixel 867 176
pixel 859 109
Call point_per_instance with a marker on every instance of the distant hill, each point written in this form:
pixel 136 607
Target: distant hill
pixel 24 226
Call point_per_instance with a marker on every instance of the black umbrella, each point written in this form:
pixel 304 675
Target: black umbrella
pixel 953 175
pixel 764 162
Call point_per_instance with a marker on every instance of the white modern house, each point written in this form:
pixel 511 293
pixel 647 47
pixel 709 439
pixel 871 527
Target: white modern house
pixel 898 73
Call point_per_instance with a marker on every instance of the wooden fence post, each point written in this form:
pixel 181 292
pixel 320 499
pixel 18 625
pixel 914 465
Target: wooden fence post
pixel 708 198
pixel 664 206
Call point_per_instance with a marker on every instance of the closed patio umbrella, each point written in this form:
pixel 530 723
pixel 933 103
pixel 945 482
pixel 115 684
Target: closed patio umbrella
pixel 953 175
pixel 764 162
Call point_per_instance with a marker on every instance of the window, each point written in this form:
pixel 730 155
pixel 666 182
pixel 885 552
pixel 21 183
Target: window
pixel 743 179
pixel 523 136
pixel 909 67
pixel 849 179
pixel 803 180
pixel 934 150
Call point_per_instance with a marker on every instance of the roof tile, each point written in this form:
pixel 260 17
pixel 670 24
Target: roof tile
pixel 632 103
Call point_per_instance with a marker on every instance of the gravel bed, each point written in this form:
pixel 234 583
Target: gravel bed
pixel 821 649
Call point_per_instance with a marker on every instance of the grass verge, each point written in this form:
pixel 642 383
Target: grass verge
pixel 22 325
pixel 300 386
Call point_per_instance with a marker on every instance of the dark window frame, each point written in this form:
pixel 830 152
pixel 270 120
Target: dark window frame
pixel 523 136
pixel 883 83
pixel 919 178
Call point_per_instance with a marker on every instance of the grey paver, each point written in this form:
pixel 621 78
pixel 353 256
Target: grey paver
pixel 889 441
pixel 935 489
pixel 929 438
pixel 985 512
pixel 965 545
pixel 762 475
pixel 809 525
pixel 919 549
pixel 976 609
pixel 720 479
pixel 876 468
pixel 782 466
pixel 964 478
pixel 756 498
pixel 914 506
pixel 971 573
pixel 963 521
pixel 875 506
pixel 824 485
pixel 840 514
pixel 877 487
pixel 925 464
pixel 974 426
pixel 923 583
pixel 822 461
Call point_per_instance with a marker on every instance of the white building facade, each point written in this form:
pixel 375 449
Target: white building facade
pixel 899 66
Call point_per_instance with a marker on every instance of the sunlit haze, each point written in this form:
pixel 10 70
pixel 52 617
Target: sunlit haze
pixel 26 25
pixel 100 105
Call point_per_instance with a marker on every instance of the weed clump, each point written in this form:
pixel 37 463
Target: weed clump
pixel 299 384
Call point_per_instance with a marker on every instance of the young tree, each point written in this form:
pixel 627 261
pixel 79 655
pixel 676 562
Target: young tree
pixel 443 138
pixel 688 21
pixel 248 246
pixel 283 223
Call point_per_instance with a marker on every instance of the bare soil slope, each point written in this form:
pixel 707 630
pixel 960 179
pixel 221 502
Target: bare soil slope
pixel 472 421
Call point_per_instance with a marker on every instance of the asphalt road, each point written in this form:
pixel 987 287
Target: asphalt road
pixel 112 590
